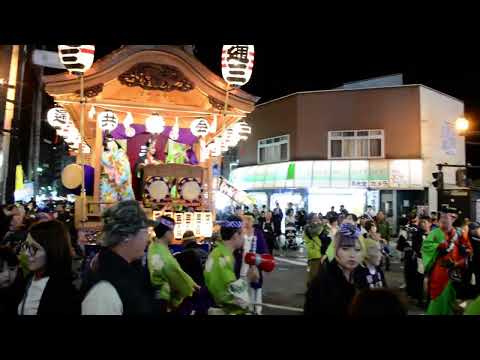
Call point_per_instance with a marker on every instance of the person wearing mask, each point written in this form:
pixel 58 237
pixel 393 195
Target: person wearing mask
pixel 172 285
pixel 11 282
pixel 378 303
pixel 192 260
pixel 332 214
pixel 444 253
pixel 115 285
pixel 369 275
pixel 277 219
pixel 316 243
pixel 332 290
pixel 229 292
pixel 49 288
pixel 269 232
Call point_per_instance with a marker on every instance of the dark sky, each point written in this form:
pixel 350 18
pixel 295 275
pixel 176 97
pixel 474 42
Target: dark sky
pixel 283 68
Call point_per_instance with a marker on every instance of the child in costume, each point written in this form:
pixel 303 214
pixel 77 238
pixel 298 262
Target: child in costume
pixel 229 292
pixel 369 274
pixel 444 255
pixel 172 285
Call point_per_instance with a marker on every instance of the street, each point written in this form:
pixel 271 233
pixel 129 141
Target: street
pixel 284 288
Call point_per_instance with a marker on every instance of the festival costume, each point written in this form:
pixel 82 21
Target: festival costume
pixel 444 256
pixel 116 179
pixel 253 244
pixel 171 283
pixel 230 294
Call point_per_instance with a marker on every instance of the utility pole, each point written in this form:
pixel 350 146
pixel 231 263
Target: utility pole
pixel 37 126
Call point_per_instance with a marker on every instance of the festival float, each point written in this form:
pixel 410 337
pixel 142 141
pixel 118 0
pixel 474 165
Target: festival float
pixel 149 122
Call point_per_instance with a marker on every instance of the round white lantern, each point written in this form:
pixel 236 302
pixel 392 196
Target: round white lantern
pixel 175 132
pixel 231 137
pixel 77 58
pixel 108 120
pixel 127 122
pixel 242 129
pixel 57 117
pixel 200 127
pixel 155 124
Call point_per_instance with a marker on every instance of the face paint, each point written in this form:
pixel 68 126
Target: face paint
pixel 36 254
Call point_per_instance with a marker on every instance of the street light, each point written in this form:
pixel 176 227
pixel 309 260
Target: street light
pixel 461 124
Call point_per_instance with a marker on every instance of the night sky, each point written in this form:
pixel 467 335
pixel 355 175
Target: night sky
pixel 281 69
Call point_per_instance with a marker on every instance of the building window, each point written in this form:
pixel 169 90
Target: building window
pixel 273 149
pixel 356 144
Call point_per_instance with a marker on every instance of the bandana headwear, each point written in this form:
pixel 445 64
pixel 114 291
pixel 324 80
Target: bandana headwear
pixel 166 222
pixel 347 236
pixel 230 224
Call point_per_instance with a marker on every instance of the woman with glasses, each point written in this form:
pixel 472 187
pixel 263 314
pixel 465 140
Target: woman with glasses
pixel 49 287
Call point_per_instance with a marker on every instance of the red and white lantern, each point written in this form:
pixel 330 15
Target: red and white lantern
pixel 77 58
pixel 237 64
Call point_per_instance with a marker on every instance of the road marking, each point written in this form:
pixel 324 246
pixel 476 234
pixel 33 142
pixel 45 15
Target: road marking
pixel 282 307
pixel 291 261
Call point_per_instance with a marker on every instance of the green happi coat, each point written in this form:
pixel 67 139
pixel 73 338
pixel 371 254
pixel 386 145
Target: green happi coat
pixel 172 284
pixel 229 293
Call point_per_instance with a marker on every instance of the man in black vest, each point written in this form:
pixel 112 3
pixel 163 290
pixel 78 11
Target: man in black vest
pixel 116 285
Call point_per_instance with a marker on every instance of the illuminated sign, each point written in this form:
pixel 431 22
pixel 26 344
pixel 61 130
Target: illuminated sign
pixel 200 222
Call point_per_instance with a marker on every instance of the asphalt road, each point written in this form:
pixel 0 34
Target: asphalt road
pixel 284 288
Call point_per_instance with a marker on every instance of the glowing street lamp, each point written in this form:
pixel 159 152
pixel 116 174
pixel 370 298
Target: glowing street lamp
pixel 461 124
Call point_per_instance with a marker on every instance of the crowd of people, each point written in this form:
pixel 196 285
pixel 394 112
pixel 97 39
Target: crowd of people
pixel 135 271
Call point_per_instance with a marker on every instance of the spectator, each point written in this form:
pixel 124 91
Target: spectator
pixel 332 231
pixel 361 225
pixel 332 290
pixel 277 219
pixel 269 232
pixel 11 282
pixel 172 285
pixel 383 227
pixel 474 237
pixel 49 288
pixel 434 217
pixel 370 212
pixel 192 260
pixel 332 214
pixel 316 244
pixel 381 303
pixel 343 211
pixel 114 286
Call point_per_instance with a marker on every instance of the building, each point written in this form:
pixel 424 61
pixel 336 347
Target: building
pixel 375 142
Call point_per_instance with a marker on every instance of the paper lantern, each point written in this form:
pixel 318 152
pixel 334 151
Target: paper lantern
pixel 72 176
pixel 231 137
pixel 175 132
pixel 200 127
pixel 242 129
pixel 57 117
pixel 237 64
pixel 92 112
pixel 127 122
pixel 77 58
pixel 108 120
pixel 155 124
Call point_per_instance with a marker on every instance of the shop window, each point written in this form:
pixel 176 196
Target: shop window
pixel 356 144
pixel 273 150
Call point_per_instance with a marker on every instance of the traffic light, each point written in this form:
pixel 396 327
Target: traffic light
pixel 438 182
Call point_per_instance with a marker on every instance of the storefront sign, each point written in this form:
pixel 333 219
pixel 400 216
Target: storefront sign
pixel 379 174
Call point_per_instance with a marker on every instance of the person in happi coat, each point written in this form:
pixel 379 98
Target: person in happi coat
pixel 444 255
pixel 229 292
pixel 172 285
